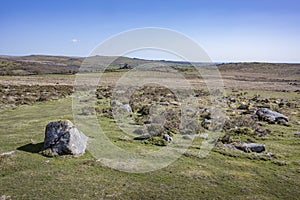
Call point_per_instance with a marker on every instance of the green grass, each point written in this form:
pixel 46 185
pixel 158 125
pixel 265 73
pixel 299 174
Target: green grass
pixel 28 175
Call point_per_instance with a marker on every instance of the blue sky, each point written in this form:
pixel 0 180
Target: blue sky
pixel 228 30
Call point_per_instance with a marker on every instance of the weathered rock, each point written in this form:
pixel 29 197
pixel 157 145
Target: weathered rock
pixel 114 103
pixel 8 153
pixel 164 103
pixel 232 100
pixel 251 147
pixel 126 107
pixel 175 103
pixel 62 138
pixel 226 139
pixel 282 122
pixel 120 106
pixel 206 123
pixel 243 107
pixel 167 138
pixel 271 116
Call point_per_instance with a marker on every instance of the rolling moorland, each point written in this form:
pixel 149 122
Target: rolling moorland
pixel 36 89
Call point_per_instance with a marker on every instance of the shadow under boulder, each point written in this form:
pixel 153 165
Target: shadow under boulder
pixel 32 148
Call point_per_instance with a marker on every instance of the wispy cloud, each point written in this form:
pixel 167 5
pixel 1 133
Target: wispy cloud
pixel 74 40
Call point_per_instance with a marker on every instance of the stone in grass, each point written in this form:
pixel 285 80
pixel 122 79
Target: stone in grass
pixel 251 147
pixel 271 116
pixel 167 138
pixel 63 138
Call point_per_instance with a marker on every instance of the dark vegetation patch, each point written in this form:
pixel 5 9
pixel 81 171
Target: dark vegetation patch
pixel 15 95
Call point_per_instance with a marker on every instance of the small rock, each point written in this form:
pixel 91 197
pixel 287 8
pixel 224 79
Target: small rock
pixel 226 139
pixel 251 147
pixel 115 103
pixel 243 107
pixel 206 123
pixel 7 153
pixel 120 107
pixel 175 103
pixel 203 135
pixel 232 100
pixel 126 107
pixel 147 122
pixel 270 154
pixel 167 138
pixel 164 103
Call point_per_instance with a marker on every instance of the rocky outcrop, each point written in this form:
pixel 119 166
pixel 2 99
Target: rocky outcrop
pixel 63 138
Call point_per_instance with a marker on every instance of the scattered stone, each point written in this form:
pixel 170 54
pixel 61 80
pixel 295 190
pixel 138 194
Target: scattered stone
pixel 282 103
pixel 63 138
pixel 167 138
pixel 232 100
pixel 206 123
pixel 175 103
pixel 115 103
pixel 5 197
pixel 203 135
pixel 297 134
pixel 271 116
pixel 243 107
pixel 120 106
pixel 8 153
pixel 126 107
pixel 270 155
pixel 164 103
pixel 147 122
pixel 251 147
pixel 226 139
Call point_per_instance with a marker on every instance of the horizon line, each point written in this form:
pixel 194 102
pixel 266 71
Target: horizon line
pixel 155 59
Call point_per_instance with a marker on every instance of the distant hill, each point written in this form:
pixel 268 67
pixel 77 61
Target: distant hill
pixel 45 64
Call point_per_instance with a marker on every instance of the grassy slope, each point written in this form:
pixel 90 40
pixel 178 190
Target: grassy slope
pixel 28 175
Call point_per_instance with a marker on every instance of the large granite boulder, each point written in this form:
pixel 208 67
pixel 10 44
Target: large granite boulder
pixel 63 138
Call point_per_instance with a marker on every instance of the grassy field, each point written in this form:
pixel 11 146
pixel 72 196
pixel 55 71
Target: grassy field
pixel 223 174
pixel 29 102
